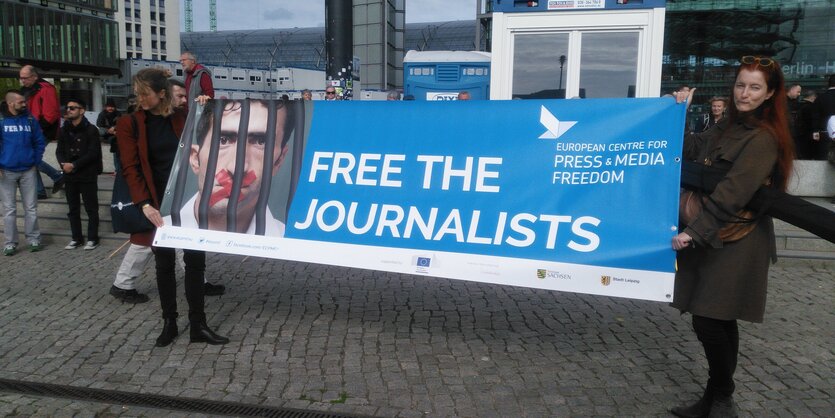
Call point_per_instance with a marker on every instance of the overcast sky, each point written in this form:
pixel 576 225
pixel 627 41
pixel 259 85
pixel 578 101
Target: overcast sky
pixel 272 14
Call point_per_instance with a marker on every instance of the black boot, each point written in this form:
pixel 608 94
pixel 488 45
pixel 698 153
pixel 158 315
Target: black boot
pixel 700 409
pixel 723 407
pixel 201 333
pixel 169 332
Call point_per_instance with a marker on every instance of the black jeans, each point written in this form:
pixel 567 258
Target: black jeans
pixel 195 261
pixel 89 192
pixel 720 340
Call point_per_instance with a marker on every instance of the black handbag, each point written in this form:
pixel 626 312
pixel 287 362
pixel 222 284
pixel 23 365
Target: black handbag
pixel 126 216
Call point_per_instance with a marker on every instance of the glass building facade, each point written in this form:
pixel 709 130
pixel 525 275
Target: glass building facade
pixel 69 38
pixel 704 40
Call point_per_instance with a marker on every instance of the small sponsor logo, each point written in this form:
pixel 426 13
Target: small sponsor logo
pixel 422 264
pixel 230 243
pixel 555 127
pixel 542 274
pixel 605 280
pixel 202 240
pixel 441 96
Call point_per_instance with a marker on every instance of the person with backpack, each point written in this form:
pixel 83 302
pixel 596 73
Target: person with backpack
pixel 80 158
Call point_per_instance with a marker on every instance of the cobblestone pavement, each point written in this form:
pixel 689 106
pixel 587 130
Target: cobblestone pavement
pixel 393 345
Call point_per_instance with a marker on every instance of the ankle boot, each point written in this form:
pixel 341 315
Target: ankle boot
pixel 723 407
pixel 169 332
pixel 201 333
pixel 700 409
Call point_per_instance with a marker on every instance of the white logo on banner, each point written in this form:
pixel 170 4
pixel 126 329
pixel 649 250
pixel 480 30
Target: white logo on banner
pixel 555 127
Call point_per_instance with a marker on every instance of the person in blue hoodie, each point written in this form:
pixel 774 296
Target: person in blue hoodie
pixel 22 146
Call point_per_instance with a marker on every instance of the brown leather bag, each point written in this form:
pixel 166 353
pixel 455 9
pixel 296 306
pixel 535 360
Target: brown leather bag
pixel 692 203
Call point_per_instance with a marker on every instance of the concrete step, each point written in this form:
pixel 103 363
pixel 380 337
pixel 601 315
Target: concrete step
pixel 796 243
pixel 52 215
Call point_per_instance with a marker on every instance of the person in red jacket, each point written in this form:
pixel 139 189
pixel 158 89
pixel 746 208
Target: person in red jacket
pixel 42 102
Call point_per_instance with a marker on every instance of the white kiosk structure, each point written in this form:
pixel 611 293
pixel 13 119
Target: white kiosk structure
pixel 576 48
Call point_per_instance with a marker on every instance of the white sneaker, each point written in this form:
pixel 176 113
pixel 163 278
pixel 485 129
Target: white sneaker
pixel 72 245
pixel 91 245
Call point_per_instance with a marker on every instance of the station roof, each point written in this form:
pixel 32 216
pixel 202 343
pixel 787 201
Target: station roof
pixel 305 47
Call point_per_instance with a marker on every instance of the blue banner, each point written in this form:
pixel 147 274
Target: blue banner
pixel 578 195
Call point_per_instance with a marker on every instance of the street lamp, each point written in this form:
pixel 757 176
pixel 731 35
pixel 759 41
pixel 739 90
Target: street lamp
pixel 562 63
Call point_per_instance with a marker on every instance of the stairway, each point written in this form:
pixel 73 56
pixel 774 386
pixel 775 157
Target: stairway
pixel 795 243
pixel 52 216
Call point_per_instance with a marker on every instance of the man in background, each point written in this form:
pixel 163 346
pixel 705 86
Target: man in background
pixel 79 155
pixel 198 78
pixel 42 103
pixel 107 122
pixel 330 93
pixel 464 95
pixel 178 91
pixel 22 149
pixel 805 147
pixel 825 109
pixel 793 101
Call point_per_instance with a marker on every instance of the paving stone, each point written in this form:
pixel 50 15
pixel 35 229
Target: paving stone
pixel 399 345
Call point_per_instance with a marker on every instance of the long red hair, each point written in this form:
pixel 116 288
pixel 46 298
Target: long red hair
pixel 773 114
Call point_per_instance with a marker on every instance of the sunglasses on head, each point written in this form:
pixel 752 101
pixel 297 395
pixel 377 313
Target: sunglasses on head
pixel 761 61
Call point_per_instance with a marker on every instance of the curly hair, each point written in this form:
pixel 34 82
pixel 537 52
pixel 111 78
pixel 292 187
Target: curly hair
pixel 155 81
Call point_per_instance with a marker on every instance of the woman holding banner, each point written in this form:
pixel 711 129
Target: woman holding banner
pixel 148 141
pixel 724 251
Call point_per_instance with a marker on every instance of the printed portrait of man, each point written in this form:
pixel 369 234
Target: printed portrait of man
pixel 216 171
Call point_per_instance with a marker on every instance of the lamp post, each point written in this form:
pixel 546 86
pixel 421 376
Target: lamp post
pixel 562 63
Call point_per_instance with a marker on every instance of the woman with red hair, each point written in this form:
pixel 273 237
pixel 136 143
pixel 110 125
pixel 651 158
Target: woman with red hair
pixel 724 251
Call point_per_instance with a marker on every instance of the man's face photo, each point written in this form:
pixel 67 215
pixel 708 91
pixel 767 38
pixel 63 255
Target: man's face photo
pixel 227 151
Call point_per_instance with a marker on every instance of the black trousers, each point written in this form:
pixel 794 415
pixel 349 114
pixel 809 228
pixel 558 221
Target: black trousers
pixel 720 340
pixel 195 261
pixel 89 192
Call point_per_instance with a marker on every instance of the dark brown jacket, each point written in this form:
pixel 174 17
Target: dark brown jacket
pixel 136 168
pixel 728 280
